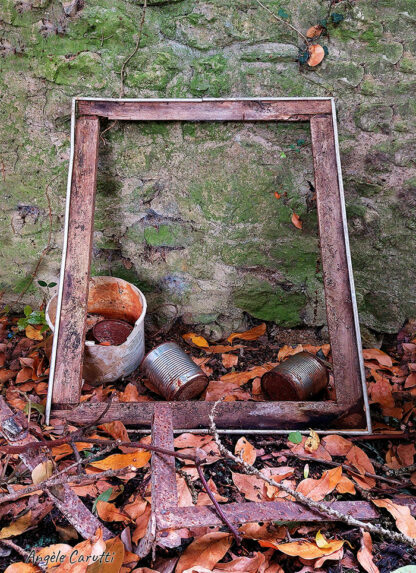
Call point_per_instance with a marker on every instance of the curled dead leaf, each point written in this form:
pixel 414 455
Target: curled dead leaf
pixel 33 333
pixel 245 450
pixel 316 55
pixel 117 461
pixel 365 556
pixel 296 221
pixel 314 31
pixel 305 549
pixel 192 338
pixel 42 471
pixel 405 522
pixel 251 334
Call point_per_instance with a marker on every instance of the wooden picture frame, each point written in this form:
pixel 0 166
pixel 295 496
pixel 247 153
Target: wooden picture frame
pixel 349 412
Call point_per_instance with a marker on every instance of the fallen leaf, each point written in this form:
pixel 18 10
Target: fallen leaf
pixel 206 551
pixel 192 338
pixel 109 512
pixel 242 564
pixel 6 375
pixel 312 442
pixel 33 333
pixel 24 375
pixel 42 471
pixel 288 351
pixel 365 554
pixel 378 355
pixel 228 391
pixel 229 360
pixel 115 549
pixel 321 541
pixel 245 450
pixel 130 394
pixel 277 195
pixel 317 489
pixel 306 549
pixel 316 55
pixel 203 498
pixel 345 485
pixel 296 221
pixel 251 334
pixel 221 348
pixel 117 461
pixel 52 550
pixel 242 378
pixel 405 522
pixel 357 458
pixel 336 445
pixel 17 527
pixel 320 453
pixel 256 489
pixel 64 450
pixel 314 31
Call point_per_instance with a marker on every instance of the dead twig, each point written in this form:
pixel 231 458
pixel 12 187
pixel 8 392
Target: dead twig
pixel 134 52
pixel 317 505
pixel 282 21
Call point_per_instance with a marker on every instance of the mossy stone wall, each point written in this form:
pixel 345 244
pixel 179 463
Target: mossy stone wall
pixel 188 211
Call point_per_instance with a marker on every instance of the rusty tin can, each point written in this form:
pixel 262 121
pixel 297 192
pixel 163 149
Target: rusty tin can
pixel 174 373
pixel 300 377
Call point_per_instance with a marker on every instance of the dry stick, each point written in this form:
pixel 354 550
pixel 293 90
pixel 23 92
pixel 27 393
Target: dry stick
pixel 54 480
pixel 134 52
pixel 317 505
pixel 282 21
pixel 17 548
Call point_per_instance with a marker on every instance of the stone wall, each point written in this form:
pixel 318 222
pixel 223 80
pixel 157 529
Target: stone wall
pixel 188 212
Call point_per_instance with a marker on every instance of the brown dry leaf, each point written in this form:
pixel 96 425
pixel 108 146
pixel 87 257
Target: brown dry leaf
pixel 116 430
pixel 365 556
pixel 242 378
pixel 221 348
pixel 229 360
pixel 255 489
pixel 320 453
pixel 191 441
pixel 195 339
pixel 64 450
pixel 33 333
pixel 227 391
pixel 117 461
pixel 317 489
pixel 130 394
pixel 378 355
pixel 357 458
pixel 252 334
pixel 24 375
pixel 115 548
pixel 141 525
pixel 242 564
pixel 6 375
pixel 316 55
pixel 410 380
pixel 296 221
pixel 245 450
pixel 55 549
pixel 109 512
pixel 205 551
pixel 405 522
pixel 42 471
pixel 305 549
pixel 314 31
pixel 17 527
pixel 345 485
pixel 22 568
pixel 312 442
pixel 288 351
pixel 91 548
pixel 184 494
pixel 336 445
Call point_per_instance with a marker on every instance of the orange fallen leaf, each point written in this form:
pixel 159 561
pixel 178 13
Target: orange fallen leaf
pixel 306 549
pixel 365 554
pixel 357 458
pixel 277 195
pixel 316 55
pixel 229 360
pixel 221 348
pixel 203 498
pixel 336 445
pixel 405 522
pixel 288 351
pixel 109 512
pixel 21 567
pixel 117 461
pixel 314 31
pixel 317 489
pixel 296 221
pixel 378 355
pixel 206 551
pixel 115 548
pixel 64 450
pixel 6 375
pixel 251 334
pixel 186 440
pixel 255 489
pixel 17 527
pixel 33 333
pixel 242 378
pixel 245 450
pixel 345 485
pixel 192 338
pixel 24 375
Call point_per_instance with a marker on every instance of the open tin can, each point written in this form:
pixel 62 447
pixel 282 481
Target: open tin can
pixel 300 377
pixel 173 373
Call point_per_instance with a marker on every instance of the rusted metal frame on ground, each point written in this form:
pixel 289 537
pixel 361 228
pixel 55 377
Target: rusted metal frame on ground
pixel 350 412
pixel 168 515
pixel 13 429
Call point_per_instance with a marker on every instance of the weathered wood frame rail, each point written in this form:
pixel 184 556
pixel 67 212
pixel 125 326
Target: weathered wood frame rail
pixel 350 410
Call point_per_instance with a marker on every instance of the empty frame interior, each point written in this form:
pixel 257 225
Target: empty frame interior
pixel 349 411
